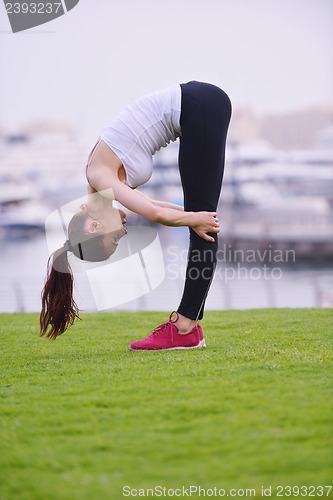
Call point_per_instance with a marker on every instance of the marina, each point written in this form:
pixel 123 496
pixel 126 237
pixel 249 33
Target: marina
pixel 276 213
pixel 240 282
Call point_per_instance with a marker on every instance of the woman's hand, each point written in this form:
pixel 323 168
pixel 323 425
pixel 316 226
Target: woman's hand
pixel 205 222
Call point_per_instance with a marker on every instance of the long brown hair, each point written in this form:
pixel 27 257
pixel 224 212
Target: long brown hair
pixel 59 309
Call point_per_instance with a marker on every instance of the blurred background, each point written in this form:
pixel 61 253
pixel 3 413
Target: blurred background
pixel 62 82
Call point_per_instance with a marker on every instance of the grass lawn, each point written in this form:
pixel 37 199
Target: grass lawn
pixel 82 417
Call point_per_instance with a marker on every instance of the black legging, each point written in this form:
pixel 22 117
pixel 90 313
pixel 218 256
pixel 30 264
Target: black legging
pixel 204 120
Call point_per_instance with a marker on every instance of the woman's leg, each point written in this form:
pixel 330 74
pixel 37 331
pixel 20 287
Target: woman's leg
pixel 205 117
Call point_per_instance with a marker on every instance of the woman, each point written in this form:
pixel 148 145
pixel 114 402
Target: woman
pixel 199 114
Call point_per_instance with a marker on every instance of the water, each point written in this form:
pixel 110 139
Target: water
pixel 235 286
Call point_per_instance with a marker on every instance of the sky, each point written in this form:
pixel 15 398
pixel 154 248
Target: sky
pixel 85 66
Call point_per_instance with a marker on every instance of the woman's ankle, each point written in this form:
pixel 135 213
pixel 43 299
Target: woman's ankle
pixel 184 324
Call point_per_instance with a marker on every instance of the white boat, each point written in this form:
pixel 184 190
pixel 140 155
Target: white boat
pixel 21 215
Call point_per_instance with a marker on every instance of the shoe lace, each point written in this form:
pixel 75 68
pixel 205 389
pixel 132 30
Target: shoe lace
pixel 164 326
pixel 160 329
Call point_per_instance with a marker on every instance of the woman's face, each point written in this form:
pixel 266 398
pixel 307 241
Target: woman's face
pixel 110 222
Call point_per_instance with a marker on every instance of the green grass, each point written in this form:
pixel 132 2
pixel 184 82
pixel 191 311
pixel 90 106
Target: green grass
pixel 82 416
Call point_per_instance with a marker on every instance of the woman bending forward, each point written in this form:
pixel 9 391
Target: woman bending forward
pixel 199 114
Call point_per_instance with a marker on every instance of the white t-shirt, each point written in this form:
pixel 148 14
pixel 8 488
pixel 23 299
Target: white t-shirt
pixel 141 129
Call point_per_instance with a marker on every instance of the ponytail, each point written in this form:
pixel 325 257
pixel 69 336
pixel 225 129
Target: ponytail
pixel 59 309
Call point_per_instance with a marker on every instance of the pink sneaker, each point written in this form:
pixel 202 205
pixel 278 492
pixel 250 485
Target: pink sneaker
pixel 166 336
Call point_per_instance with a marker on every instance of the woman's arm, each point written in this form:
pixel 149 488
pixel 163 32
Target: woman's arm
pixel 108 185
pixel 167 204
pixel 161 203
